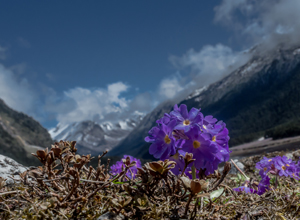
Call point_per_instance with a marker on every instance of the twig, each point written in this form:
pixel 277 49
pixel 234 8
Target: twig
pixel 247 178
pixel 10 192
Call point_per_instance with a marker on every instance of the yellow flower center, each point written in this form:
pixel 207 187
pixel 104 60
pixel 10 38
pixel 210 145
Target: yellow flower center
pixel 270 160
pixel 287 165
pixel 283 168
pixel 176 156
pixel 186 122
pixel 167 139
pixel 204 126
pixel 196 144
pixel 214 138
pixel 265 169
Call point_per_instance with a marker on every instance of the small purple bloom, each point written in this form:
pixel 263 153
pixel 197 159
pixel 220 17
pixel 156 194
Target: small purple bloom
pixel 209 119
pixel 165 119
pixel 118 167
pixel 163 142
pixel 179 163
pixel 185 119
pixel 263 185
pixel 244 189
pixel 188 172
pixel 203 149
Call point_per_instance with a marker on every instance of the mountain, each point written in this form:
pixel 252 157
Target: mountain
pixel 261 98
pixel 21 135
pixel 94 137
pixel 134 143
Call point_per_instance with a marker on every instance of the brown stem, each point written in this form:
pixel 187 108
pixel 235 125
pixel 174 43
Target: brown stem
pixel 93 193
pixel 75 185
pixel 247 178
pixel 188 204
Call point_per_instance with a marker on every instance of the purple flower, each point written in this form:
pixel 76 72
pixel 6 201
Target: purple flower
pixel 209 119
pixel 165 119
pixel 163 142
pixel 118 167
pixel 200 145
pixel 188 172
pixel 179 163
pixel 245 189
pixel 281 166
pixel 185 119
pixel 189 131
pixel 263 185
pixel 264 165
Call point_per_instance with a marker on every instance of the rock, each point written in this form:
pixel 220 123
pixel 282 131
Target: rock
pixel 233 168
pixel 289 156
pixel 9 167
pixel 109 215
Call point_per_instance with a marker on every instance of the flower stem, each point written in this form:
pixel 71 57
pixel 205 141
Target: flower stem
pixel 193 172
pixel 246 177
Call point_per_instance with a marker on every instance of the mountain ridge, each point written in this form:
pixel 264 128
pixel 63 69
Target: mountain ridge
pixel 20 135
pixel 252 99
pixel 94 137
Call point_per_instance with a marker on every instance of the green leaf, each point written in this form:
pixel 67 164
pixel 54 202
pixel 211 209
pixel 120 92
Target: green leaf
pixel 272 181
pixel 116 182
pixel 226 200
pixel 216 193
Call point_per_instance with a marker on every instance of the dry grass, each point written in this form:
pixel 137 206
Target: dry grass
pixel 65 187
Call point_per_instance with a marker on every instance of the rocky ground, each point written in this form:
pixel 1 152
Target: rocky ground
pixel 264 146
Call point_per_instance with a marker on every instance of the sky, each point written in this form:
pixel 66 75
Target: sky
pixel 69 61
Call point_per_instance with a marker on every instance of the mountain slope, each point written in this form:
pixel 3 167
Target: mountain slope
pixel 255 98
pixel 20 135
pixel 93 137
pixel 134 143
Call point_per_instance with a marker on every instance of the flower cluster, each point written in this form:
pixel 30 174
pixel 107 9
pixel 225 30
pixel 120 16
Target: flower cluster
pixel 183 132
pixel 278 166
pixel 281 166
pixel 131 172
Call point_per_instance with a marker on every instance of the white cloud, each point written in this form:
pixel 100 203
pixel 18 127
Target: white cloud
pixel 16 92
pixel 169 88
pixel 143 102
pixel 268 23
pixel 210 64
pixel 91 104
pixel 19 69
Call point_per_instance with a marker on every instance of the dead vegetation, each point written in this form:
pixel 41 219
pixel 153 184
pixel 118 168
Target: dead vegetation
pixel 65 187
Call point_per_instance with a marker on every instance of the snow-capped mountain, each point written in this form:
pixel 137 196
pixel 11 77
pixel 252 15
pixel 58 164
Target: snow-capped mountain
pixel 94 137
pixel 261 96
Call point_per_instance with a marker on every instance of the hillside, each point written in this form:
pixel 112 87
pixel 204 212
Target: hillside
pixel 253 101
pixel 20 135
pixel 94 137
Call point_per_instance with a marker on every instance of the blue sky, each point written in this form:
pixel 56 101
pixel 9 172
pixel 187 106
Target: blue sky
pixel 64 61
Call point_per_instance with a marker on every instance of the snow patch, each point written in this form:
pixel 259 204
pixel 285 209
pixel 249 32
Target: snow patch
pixel 9 167
pixel 261 139
pixel 297 51
pixel 197 92
pixel 249 68
pixel 57 130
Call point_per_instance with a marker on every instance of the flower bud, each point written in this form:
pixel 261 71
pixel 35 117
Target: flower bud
pixel 195 186
pixel 188 158
pixel 227 168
